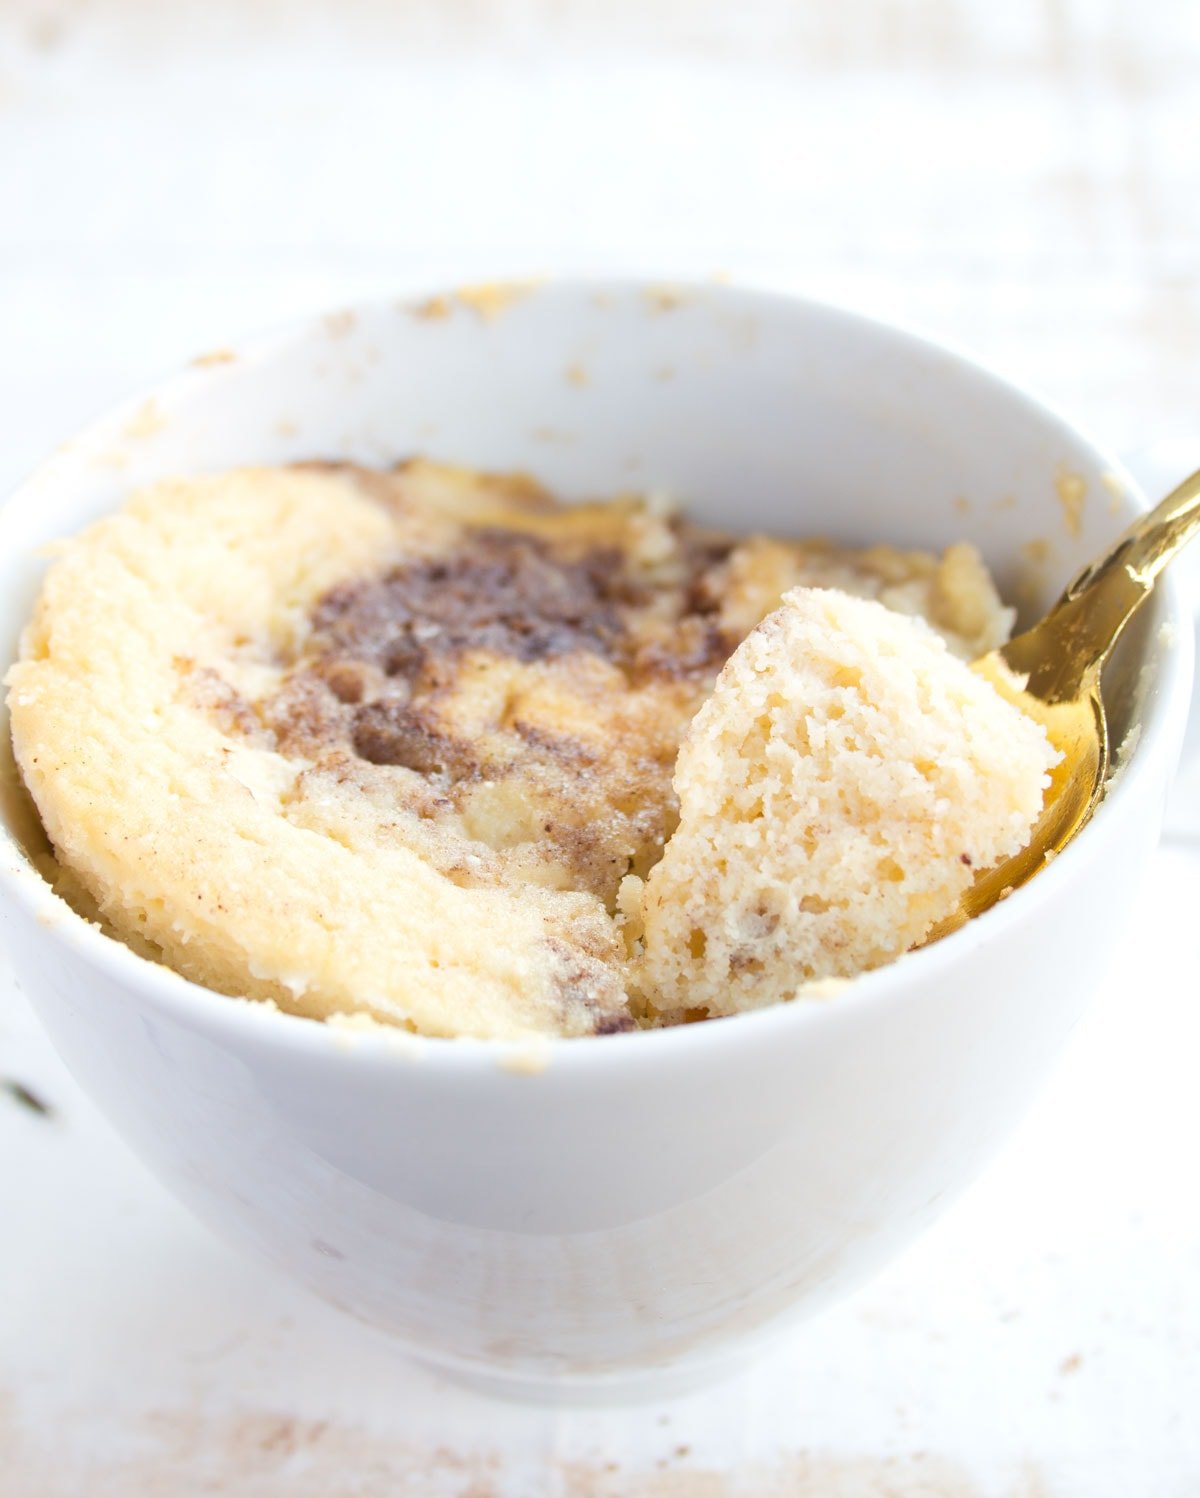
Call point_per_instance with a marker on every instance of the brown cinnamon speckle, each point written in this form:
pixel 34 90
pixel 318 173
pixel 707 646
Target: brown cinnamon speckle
pixel 25 1097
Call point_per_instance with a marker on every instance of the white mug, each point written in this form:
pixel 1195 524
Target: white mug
pixel 602 1212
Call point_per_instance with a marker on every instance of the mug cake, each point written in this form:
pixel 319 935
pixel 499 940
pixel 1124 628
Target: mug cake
pixel 429 747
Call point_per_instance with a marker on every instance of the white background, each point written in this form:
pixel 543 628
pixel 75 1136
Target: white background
pixel 1023 179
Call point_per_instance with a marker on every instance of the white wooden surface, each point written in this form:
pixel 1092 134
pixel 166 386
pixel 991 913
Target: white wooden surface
pixel 1023 179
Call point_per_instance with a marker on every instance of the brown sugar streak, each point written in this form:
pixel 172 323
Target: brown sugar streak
pixel 539 683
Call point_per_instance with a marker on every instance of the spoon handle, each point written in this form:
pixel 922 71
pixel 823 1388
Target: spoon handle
pixel 1151 541
pixel 1074 639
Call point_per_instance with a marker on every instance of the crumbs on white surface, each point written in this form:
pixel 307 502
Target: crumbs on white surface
pixel 146 421
pixel 1071 489
pixel 1116 489
pixel 340 324
pixel 664 298
pixel 431 309
pixel 528 1059
pixel 215 356
pixel 489 299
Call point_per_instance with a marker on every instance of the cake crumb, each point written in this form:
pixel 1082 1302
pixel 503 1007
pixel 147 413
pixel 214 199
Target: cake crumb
pixel 146 421
pixel 530 1059
pixel 664 298
pixel 432 309
pixel 838 793
pixel 490 299
pixel 215 356
pixel 341 324
pixel 1071 489
pixel 1116 490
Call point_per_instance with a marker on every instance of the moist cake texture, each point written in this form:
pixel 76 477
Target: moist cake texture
pixel 403 744
pixel 838 792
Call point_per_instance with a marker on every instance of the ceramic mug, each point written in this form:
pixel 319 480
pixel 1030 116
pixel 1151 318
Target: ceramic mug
pixel 598 1212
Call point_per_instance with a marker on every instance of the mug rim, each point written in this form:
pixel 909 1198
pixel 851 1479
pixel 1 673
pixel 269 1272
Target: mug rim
pixel 248 1019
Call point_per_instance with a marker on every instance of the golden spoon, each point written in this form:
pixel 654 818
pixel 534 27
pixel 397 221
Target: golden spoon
pixel 1052 672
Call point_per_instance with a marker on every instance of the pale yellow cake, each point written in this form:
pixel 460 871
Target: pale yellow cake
pixel 387 744
pixel 838 792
